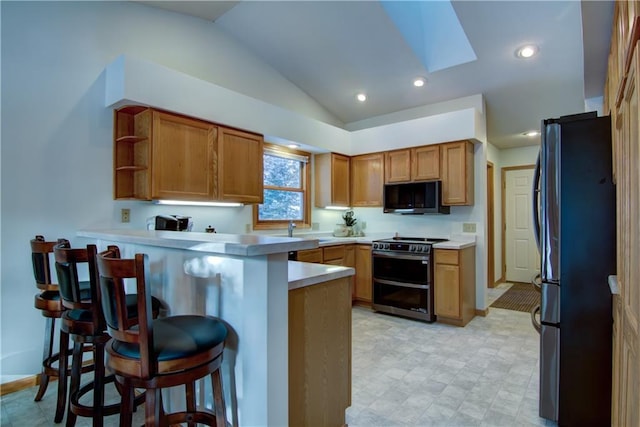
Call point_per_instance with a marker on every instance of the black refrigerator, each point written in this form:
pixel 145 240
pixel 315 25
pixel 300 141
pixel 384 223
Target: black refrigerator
pixel 575 227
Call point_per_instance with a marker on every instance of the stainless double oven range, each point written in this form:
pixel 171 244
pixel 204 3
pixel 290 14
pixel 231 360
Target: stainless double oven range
pixel 402 270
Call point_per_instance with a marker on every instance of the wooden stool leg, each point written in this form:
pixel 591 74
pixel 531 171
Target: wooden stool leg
pixel 47 353
pixel 76 365
pixel 152 406
pixel 98 384
pixel 190 389
pixel 126 404
pixel 63 366
pixel 218 398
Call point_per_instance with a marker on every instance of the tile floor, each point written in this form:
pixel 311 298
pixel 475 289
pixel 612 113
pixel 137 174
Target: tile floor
pixel 407 373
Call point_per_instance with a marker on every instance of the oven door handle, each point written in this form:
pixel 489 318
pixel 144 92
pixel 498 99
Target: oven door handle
pixel 396 255
pixel 401 284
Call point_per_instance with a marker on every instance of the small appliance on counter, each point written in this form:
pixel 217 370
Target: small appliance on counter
pixel 170 222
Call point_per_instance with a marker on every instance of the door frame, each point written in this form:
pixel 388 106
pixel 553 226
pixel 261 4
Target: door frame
pixel 503 226
pixel 491 282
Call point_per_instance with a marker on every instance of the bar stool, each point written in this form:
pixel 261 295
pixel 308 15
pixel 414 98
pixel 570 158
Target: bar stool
pixel 155 354
pixel 84 322
pixel 50 305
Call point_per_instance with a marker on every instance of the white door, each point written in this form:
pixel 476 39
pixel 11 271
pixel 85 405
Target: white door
pixel 522 257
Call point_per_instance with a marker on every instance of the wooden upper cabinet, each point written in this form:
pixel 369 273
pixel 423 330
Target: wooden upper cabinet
pixel 397 166
pixel 166 156
pixel 331 173
pixel 425 163
pixel 457 173
pixel 367 179
pixel 183 158
pixel 240 166
pixel 412 164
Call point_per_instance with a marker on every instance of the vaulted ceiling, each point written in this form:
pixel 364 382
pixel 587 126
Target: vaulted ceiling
pixel 333 50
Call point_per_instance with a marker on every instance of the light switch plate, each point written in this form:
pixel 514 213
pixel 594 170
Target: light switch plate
pixel 247 228
pixel 315 226
pixel 468 227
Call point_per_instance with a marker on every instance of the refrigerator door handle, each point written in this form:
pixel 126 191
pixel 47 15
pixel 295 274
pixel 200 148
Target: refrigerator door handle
pixel 535 193
pixel 536 325
pixel 536 282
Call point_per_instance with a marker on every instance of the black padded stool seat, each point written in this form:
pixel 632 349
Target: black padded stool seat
pixel 175 337
pixel 156 354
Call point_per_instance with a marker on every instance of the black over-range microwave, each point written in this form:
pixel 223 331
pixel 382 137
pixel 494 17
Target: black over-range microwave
pixel 414 198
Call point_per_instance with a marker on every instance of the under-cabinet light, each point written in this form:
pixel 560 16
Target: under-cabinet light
pixel 194 203
pixel 337 208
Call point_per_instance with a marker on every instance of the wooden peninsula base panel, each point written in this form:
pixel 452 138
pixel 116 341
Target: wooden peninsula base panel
pixel 320 353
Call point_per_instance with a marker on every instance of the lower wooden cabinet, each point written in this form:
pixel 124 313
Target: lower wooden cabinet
pixel 333 255
pixel 349 259
pixel 320 353
pixel 455 285
pixel 363 289
pixel 357 256
pixel 310 255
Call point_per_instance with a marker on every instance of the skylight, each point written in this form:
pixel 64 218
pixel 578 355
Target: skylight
pixel 433 31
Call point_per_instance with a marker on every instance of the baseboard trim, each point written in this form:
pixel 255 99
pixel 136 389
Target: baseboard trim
pixel 21 384
pixel 482 312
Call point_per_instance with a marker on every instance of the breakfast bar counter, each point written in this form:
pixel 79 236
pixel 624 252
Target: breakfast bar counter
pixel 244 280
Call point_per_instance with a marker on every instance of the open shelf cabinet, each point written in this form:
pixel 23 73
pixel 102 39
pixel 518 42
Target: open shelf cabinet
pixel 132 153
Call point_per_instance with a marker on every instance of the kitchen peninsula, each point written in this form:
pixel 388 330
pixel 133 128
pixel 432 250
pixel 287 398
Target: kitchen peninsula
pixel 246 281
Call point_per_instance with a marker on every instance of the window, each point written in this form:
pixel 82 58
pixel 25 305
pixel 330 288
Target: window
pixel 286 192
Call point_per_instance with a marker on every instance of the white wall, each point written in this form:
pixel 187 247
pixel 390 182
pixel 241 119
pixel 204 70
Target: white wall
pixel 493 156
pixel 519 156
pixel 57 133
pixel 57 138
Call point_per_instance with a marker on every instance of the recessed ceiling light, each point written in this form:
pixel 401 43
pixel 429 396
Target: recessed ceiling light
pixel 419 82
pixel 531 133
pixel 361 97
pixel 527 51
pixel 293 145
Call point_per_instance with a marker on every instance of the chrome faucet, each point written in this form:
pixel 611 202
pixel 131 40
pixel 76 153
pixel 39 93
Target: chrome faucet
pixel 290 229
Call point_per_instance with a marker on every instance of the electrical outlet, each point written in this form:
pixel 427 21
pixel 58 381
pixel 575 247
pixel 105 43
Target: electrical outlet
pixel 468 227
pixel 363 225
pixel 125 215
pixel 247 228
pixel 315 226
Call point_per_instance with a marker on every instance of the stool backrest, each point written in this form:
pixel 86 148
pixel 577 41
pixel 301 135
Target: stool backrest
pixel 113 271
pixel 67 260
pixel 40 250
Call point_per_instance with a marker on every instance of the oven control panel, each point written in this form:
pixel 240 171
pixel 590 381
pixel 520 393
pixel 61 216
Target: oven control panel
pixel 402 247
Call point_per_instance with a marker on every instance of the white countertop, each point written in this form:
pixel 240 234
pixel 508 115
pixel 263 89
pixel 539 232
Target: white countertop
pixel 228 244
pixel 303 274
pixel 454 244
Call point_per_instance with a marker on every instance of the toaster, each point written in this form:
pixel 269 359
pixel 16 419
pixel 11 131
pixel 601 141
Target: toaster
pixel 173 222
